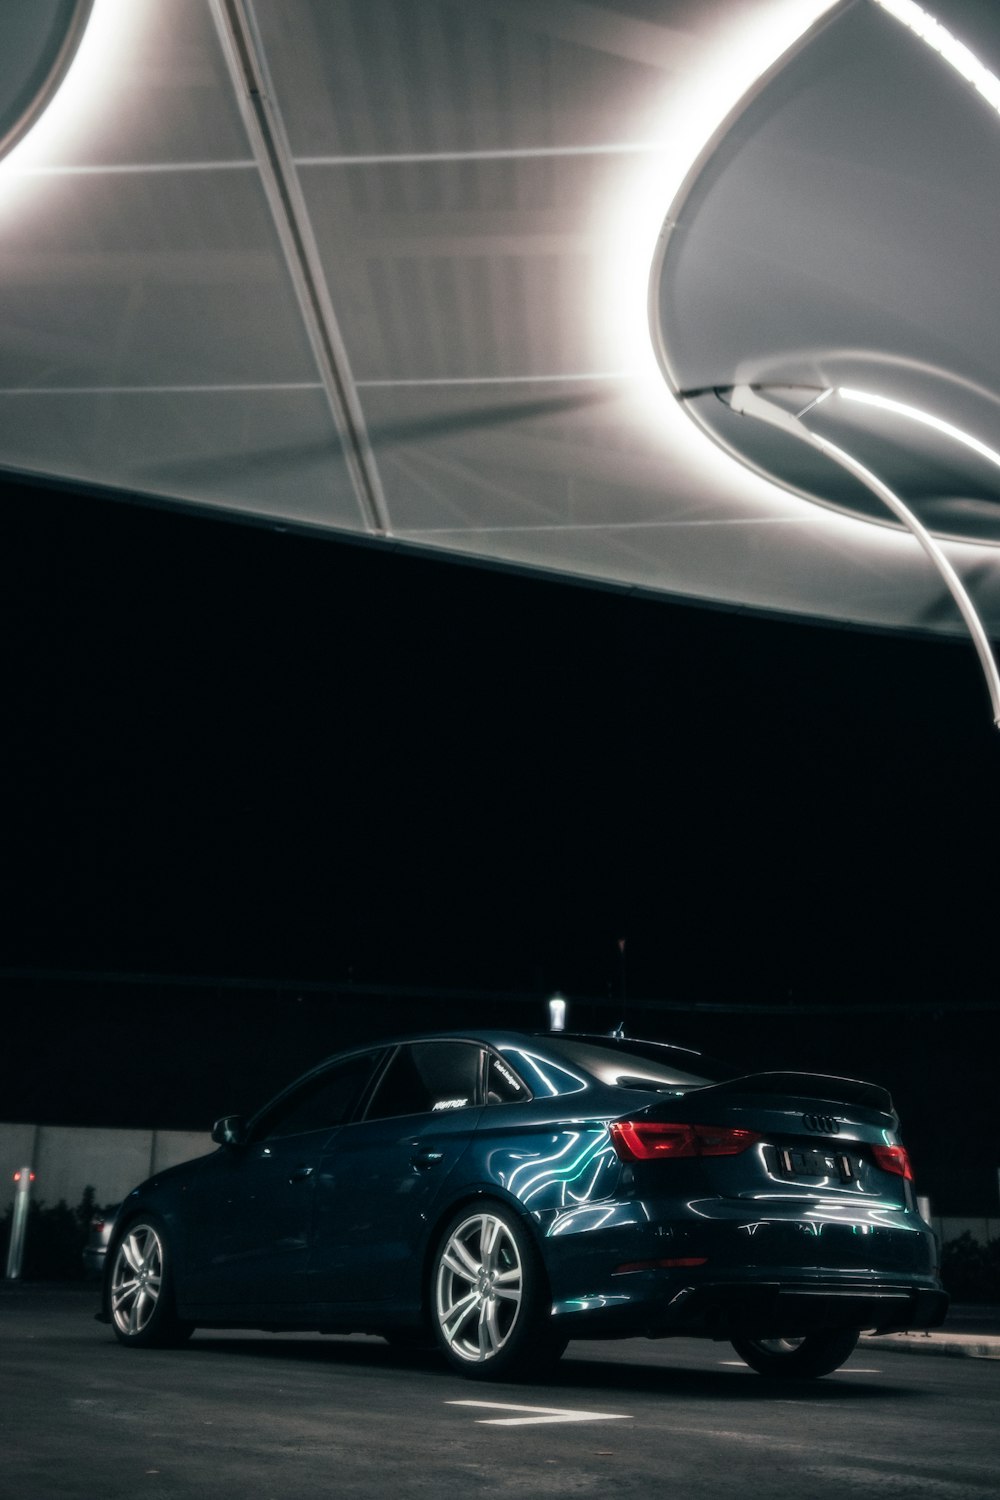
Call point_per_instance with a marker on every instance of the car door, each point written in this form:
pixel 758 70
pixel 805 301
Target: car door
pixel 382 1176
pixel 251 1211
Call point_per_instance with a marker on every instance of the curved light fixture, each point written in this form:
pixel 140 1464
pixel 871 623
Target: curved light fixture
pixel 925 418
pixel 695 280
pixel 744 51
pixel 750 401
pixel 940 40
pixel 47 36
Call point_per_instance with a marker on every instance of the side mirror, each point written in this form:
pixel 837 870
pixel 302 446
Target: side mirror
pixel 231 1130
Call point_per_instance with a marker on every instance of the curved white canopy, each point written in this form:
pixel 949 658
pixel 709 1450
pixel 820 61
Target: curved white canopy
pixel 382 268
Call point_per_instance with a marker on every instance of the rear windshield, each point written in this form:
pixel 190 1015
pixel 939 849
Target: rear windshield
pixel 630 1063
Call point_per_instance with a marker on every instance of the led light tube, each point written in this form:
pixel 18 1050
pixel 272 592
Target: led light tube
pixel 750 402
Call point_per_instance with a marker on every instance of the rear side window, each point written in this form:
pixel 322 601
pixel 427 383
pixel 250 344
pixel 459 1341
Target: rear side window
pixel 322 1102
pixel 429 1078
pixel 502 1084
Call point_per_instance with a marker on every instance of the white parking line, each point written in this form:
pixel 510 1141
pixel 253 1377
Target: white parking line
pixel 848 1370
pixel 539 1414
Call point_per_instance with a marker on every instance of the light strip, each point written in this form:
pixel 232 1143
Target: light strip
pixel 63 127
pixel 955 53
pixel 926 418
pixel 740 53
pixel 72 36
pixel 750 402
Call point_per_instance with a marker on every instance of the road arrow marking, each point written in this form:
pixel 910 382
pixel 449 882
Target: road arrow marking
pixel 539 1414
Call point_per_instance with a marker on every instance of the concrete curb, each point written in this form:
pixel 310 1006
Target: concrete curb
pixel 966 1345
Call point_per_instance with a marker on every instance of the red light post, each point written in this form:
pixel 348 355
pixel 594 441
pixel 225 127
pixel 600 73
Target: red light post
pixel 23 1177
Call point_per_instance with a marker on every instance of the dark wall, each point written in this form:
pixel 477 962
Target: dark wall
pixel 229 751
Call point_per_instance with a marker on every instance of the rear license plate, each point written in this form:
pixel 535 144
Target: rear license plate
pixel 800 1164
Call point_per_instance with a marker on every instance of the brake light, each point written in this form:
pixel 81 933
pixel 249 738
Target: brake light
pixel 651 1140
pixel 894 1159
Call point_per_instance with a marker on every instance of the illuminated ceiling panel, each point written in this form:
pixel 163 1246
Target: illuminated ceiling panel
pixel 382 268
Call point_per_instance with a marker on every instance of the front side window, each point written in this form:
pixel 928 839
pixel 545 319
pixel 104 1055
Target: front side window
pixel 322 1102
pixel 429 1078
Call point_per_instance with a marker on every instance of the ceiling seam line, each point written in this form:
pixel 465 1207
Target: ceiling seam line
pixel 580 377
pixel 137 168
pixel 162 390
pixel 511 153
pixel 526 528
pixel 248 72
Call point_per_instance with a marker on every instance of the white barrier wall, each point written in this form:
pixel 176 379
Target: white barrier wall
pixel 68 1159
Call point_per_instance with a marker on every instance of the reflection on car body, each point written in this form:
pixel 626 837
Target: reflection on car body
pixel 503 1193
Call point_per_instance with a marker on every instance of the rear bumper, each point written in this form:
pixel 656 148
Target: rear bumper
pixel 773 1310
pixel 733 1268
pixel 750 1308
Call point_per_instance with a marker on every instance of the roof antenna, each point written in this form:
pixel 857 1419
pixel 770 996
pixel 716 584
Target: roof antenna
pixel 619 1030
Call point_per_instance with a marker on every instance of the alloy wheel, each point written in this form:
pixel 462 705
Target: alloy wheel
pixel 137 1280
pixel 480 1287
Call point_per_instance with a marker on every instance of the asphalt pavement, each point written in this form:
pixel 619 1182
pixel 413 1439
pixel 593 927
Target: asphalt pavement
pixel 302 1417
pixel 970 1329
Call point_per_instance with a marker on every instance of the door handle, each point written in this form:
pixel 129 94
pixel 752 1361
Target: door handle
pixel 425 1158
pixel 299 1174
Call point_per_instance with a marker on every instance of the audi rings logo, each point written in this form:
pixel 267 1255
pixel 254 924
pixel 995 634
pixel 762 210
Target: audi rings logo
pixel 822 1124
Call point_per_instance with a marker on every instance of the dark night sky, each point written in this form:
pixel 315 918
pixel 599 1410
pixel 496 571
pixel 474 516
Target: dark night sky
pixel 230 751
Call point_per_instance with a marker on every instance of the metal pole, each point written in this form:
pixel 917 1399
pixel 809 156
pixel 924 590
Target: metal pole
pixel 23 1177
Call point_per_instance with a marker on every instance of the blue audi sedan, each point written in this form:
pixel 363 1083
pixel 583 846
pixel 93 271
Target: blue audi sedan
pixel 501 1193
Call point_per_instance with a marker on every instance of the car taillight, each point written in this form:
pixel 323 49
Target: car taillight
pixel 894 1159
pixel 650 1140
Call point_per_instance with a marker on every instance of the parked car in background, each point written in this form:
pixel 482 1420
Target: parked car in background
pixel 502 1193
pixel 95 1251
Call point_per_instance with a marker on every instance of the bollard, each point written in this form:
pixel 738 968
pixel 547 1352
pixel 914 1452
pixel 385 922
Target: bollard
pixel 23 1177
pixel 557 1013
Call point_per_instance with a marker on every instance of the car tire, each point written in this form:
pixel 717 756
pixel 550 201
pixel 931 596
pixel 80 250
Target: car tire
pixel 489 1296
pixel 798 1359
pixel 140 1289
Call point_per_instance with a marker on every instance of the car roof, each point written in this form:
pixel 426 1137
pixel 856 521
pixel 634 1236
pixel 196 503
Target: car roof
pixel 499 1038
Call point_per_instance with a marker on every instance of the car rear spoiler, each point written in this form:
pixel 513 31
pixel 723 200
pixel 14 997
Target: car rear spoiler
pixel 809 1086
